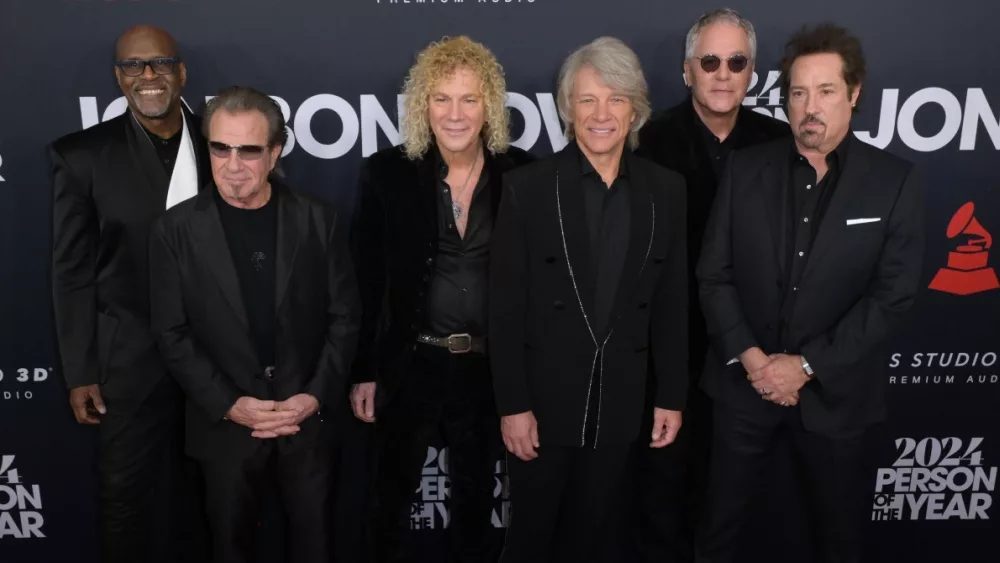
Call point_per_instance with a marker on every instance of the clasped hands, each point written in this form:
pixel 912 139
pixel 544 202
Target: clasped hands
pixel 270 419
pixel 777 378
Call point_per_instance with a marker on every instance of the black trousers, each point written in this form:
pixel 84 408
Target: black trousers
pixel 150 507
pixel 451 395
pixel 303 473
pixel 830 470
pixel 567 505
pixel 668 492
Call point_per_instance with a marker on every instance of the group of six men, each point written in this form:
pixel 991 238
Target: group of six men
pixel 570 306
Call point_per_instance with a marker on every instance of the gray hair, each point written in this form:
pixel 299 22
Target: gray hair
pixel 720 15
pixel 244 99
pixel 618 66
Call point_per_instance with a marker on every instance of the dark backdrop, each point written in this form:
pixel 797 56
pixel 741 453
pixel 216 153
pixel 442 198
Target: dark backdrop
pixel 932 96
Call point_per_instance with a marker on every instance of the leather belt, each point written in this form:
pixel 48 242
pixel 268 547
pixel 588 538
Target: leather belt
pixel 456 343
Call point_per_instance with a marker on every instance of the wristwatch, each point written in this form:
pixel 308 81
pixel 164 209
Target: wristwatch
pixel 806 368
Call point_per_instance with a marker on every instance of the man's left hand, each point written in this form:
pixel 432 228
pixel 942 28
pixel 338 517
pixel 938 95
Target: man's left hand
pixel 780 379
pixel 303 405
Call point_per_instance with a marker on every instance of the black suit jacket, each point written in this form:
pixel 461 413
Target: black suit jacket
pixel 542 353
pixel 858 282
pixel 395 243
pixel 200 320
pixel 673 139
pixel 109 185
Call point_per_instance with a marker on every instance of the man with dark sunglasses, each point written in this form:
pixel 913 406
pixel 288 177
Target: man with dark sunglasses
pixel 109 183
pixel 695 138
pixel 255 307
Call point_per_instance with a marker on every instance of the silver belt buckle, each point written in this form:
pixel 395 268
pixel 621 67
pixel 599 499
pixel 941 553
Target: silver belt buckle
pixel 467 338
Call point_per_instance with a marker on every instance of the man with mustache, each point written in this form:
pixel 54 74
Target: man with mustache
pixel 255 309
pixel 110 182
pixel 695 138
pixel 812 256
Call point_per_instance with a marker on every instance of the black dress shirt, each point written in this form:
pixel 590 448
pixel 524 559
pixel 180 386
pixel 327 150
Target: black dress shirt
pixel 457 298
pixel 166 149
pixel 251 235
pixel 608 218
pixel 806 203
pixel 718 151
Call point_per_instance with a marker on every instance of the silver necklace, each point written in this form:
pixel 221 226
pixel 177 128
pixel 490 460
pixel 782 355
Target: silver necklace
pixel 456 208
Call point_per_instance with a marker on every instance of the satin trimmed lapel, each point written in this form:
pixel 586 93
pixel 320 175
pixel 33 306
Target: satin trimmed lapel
pixel 572 217
pixel 207 226
pixel 292 221
pixel 642 223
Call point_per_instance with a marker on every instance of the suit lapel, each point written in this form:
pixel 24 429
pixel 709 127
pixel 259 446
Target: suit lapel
pixel 849 188
pixel 145 159
pixel 207 226
pixel 426 197
pixel 572 217
pixel 495 170
pixel 292 218
pixel 201 159
pixel 773 193
pixel 641 226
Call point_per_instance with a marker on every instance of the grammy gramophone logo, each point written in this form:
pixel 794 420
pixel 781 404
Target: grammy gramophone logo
pixel 967 271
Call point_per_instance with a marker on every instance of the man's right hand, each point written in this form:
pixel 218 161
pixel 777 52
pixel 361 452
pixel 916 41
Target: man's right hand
pixel 261 417
pixel 85 401
pixel 363 401
pixel 520 435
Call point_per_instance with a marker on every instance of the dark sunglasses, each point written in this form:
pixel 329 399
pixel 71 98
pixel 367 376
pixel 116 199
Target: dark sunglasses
pixel 135 67
pixel 736 63
pixel 244 152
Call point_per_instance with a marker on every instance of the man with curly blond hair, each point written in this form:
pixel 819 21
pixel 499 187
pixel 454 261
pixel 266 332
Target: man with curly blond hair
pixel 421 239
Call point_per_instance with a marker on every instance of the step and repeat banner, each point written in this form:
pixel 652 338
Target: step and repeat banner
pixel 933 96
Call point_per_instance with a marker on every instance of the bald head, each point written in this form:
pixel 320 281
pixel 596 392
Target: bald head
pixel 150 74
pixel 145 38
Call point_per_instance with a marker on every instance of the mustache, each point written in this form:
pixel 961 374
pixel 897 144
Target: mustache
pixel 811 119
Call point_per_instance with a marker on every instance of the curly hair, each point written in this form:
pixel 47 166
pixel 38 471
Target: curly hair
pixel 825 38
pixel 439 61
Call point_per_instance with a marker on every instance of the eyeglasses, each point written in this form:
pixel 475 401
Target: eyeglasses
pixel 244 152
pixel 135 67
pixel 736 63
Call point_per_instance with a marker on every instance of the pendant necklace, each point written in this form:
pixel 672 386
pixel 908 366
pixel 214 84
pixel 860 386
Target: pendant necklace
pixel 456 208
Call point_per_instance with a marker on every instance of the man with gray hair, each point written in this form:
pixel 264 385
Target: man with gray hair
pixel 255 308
pixel 695 138
pixel 588 285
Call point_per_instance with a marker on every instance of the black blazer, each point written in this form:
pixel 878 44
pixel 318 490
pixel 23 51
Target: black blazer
pixel 542 353
pixel 199 317
pixel 858 282
pixel 109 185
pixel 394 243
pixel 673 139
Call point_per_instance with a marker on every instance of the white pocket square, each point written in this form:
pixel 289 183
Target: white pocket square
pixel 862 221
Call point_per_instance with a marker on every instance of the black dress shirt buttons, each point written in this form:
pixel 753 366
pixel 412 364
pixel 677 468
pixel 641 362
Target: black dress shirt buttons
pixel 559 305
pixel 643 305
pixel 550 260
pixel 430 261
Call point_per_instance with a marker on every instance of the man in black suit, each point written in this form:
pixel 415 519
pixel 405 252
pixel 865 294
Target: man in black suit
pixel 588 285
pixel 812 255
pixel 255 308
pixel 695 138
pixel 421 240
pixel 110 182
